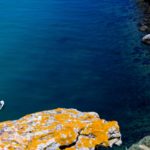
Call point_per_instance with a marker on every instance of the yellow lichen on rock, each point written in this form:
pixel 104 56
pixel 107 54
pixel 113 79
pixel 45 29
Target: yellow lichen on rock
pixel 59 129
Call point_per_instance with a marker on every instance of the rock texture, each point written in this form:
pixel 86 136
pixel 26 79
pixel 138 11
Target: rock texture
pixel 143 144
pixel 59 129
pixel 144 24
pixel 146 39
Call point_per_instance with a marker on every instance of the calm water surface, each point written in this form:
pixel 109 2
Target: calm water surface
pixel 82 54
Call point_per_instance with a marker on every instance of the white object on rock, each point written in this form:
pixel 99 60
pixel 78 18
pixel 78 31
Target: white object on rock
pixel 1 104
pixel 146 39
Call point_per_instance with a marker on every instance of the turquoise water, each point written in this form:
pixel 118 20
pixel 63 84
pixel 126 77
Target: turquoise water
pixel 82 54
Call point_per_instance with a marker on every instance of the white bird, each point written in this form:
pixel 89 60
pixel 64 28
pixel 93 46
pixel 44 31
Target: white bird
pixel 1 104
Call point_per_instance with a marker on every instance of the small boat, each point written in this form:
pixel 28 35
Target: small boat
pixel 2 103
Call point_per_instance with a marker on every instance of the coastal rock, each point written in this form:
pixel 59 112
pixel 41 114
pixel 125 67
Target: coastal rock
pixel 144 25
pixel 143 28
pixel 143 144
pixel 59 129
pixel 146 39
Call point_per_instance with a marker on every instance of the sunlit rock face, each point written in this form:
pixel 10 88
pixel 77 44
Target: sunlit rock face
pixel 59 129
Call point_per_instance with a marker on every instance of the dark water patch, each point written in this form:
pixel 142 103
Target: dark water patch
pixel 138 51
pixel 64 40
pixel 146 61
pixel 136 60
pixel 148 75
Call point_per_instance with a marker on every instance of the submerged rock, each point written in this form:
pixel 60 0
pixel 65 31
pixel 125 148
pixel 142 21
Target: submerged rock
pixel 144 25
pixel 143 28
pixel 143 144
pixel 59 129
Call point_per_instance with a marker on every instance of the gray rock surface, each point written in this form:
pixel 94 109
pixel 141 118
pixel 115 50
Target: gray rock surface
pixel 143 144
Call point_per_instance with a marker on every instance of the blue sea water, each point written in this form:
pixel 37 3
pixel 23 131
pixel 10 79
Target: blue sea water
pixel 83 54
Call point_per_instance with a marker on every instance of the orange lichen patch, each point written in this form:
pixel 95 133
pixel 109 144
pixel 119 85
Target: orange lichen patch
pixel 66 135
pixel 67 128
pixel 71 148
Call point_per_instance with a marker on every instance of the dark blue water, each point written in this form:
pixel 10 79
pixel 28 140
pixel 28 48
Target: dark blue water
pixel 82 54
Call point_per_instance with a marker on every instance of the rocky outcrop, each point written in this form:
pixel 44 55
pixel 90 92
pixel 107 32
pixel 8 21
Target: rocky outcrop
pixel 144 24
pixel 143 144
pixel 59 129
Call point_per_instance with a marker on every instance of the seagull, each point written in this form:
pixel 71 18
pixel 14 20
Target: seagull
pixel 1 104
